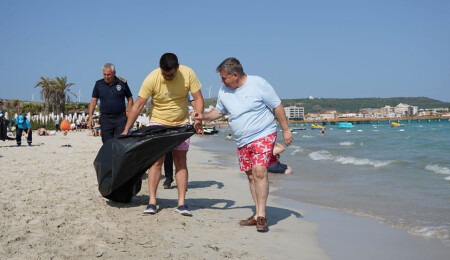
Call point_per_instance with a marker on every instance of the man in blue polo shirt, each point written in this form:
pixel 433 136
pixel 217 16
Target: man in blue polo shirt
pixel 112 92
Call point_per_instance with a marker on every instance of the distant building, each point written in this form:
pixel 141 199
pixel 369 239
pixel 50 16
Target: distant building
pixel 405 110
pixel 294 113
pixel 330 114
pixel 312 116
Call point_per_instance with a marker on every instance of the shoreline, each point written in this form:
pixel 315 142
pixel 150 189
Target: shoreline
pixel 51 208
pixel 372 239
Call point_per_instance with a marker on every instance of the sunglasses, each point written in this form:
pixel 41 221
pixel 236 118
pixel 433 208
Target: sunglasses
pixel 168 75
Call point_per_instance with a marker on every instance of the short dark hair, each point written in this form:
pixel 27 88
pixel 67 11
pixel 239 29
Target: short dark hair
pixel 230 66
pixel 168 62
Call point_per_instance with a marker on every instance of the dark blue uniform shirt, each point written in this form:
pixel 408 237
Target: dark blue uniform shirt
pixel 112 97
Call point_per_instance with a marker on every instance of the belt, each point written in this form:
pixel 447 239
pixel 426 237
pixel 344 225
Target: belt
pixel 112 116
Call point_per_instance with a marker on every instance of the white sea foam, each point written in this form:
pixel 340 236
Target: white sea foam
pixel 321 155
pixel 438 169
pixel 296 151
pixel 440 232
pixel 358 161
pixel 307 136
pixel 325 155
pixel 347 143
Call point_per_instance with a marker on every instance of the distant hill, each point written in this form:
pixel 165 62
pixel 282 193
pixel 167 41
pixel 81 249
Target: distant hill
pixel 348 105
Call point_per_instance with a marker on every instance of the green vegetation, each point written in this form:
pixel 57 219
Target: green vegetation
pixel 349 105
pixel 50 125
pixel 55 92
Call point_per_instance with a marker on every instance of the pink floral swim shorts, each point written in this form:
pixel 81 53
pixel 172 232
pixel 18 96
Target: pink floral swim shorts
pixel 184 146
pixel 257 152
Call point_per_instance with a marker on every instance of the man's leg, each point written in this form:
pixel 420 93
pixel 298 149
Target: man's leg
pixel 154 175
pixel 107 129
pixel 181 174
pixel 18 136
pixel 119 124
pixel 30 137
pixel 251 183
pixel 261 186
pixel 168 170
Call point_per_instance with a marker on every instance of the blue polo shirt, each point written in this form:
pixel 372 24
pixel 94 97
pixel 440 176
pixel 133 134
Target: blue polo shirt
pixel 112 97
pixel 25 123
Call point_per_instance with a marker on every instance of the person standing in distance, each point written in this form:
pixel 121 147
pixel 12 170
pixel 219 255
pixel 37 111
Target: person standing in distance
pixel 23 125
pixel 249 101
pixel 112 92
pixel 168 86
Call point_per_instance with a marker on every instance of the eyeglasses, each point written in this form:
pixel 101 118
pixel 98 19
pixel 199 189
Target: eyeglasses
pixel 169 75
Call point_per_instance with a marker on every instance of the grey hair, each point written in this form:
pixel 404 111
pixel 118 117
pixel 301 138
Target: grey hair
pixel 109 66
pixel 230 66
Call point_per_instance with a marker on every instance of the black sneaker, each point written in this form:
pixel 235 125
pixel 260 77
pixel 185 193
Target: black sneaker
pixel 167 183
pixel 150 209
pixel 183 210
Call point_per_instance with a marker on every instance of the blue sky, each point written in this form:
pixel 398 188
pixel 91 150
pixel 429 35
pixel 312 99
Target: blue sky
pixel 340 49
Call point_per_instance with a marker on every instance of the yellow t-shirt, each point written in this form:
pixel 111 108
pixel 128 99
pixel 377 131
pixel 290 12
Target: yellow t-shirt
pixel 170 97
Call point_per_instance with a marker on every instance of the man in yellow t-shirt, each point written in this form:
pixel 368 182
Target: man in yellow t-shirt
pixel 169 86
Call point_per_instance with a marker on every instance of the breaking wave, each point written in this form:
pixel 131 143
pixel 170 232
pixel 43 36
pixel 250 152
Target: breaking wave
pixel 325 155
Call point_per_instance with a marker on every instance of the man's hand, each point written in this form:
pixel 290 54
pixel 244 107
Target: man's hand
pixel 197 116
pixel 198 126
pixel 90 123
pixel 287 136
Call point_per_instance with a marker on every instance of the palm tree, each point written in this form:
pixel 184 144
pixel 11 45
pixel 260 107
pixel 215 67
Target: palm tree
pixel 62 91
pixel 46 92
pixel 16 104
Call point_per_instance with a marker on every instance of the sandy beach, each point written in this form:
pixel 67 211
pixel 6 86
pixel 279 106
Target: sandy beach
pixel 51 209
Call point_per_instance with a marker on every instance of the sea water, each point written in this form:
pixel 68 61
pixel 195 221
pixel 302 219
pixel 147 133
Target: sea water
pixel 397 175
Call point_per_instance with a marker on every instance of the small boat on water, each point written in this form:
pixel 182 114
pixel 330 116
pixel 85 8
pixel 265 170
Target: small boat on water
pixel 314 126
pixel 345 125
pixel 297 129
pixel 393 124
pixel 208 130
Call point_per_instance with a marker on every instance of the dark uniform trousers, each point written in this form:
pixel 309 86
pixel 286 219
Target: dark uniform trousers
pixel 168 166
pixel 19 136
pixel 112 125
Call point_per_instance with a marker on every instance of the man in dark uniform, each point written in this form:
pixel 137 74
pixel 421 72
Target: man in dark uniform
pixel 112 92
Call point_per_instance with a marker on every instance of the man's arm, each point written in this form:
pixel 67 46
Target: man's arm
pixel 210 116
pixel 281 116
pixel 130 103
pixel 199 105
pixel 28 123
pixel 91 111
pixel 133 113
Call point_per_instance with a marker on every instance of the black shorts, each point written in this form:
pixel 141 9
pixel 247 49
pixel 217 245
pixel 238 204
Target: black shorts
pixel 277 167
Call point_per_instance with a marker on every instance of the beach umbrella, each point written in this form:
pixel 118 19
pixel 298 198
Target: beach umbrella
pixel 65 125
pixel 121 162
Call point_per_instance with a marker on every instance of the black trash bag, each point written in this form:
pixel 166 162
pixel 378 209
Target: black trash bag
pixel 121 162
pixel 4 128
